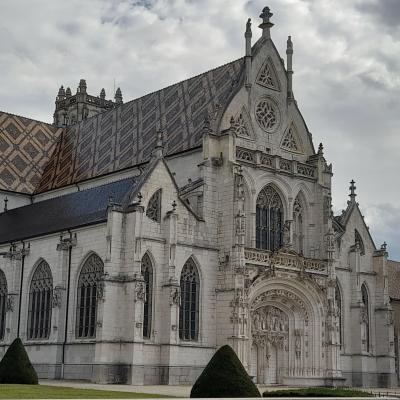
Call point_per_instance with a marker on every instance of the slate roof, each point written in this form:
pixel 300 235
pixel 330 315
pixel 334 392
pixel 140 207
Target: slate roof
pixel 394 279
pixel 126 135
pixel 61 213
pixel 25 148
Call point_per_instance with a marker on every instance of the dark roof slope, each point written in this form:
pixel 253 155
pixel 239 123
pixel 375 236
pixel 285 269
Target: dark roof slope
pixel 126 135
pixel 65 212
pixel 25 149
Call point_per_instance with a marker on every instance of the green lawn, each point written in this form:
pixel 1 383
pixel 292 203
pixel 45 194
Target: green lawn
pixel 317 392
pixel 60 392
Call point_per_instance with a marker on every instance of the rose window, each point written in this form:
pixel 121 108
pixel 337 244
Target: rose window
pixel 267 116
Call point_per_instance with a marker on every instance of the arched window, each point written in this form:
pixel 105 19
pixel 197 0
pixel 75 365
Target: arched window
pixel 269 217
pixel 189 306
pixel 40 302
pixel 298 229
pixel 153 210
pixel 88 291
pixel 338 301
pixel 3 303
pixel 359 242
pixel 147 272
pixel 365 318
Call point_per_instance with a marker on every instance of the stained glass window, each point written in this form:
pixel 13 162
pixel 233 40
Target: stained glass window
pixel 40 302
pixel 189 305
pixel 88 290
pixel 3 303
pixel 147 272
pixel 269 217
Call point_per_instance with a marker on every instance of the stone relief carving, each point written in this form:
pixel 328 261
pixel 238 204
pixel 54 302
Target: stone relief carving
pixel 57 296
pixel 140 291
pixel 174 296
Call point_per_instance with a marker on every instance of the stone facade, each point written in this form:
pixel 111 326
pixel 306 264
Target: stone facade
pixel 301 295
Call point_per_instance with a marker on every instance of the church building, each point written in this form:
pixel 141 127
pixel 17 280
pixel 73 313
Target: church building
pixel 138 237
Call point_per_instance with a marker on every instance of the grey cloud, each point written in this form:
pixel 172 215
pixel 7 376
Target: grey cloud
pixel 387 11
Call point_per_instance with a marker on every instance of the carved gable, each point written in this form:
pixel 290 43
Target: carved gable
pixel 241 124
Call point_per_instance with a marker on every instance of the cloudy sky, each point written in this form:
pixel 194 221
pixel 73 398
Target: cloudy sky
pixel 346 62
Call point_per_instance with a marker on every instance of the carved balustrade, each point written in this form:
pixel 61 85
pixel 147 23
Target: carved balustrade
pixel 285 260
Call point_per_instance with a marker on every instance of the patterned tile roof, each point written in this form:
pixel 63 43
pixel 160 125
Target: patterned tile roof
pixel 26 146
pixel 394 279
pixel 126 135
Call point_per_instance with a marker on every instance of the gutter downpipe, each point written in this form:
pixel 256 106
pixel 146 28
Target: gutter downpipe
pixel 67 305
pixel 20 287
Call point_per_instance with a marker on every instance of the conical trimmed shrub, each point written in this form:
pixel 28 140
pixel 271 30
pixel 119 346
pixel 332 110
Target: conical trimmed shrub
pixel 15 367
pixel 224 376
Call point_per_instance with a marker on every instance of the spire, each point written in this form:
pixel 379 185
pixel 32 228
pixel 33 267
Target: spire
pixel 118 96
pixel 248 36
pixel 289 59
pixel 68 92
pixel 82 86
pixel 266 25
pixel 103 94
pixel 320 150
pixel 352 194
pixel 61 93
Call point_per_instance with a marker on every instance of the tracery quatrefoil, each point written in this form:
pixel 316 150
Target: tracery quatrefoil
pixel 266 115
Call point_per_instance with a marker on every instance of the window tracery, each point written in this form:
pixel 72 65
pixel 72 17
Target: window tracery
pixel 298 229
pixel 364 316
pixel 147 273
pixel 267 115
pixel 89 290
pixel 290 141
pixel 359 242
pixel 267 76
pixel 153 210
pixel 189 304
pixel 338 301
pixel 240 127
pixel 3 303
pixel 40 302
pixel 269 219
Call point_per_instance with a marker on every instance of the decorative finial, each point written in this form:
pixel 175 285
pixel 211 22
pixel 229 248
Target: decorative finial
pixel 61 93
pixel 68 92
pixel 159 149
pixel 118 96
pixel 82 86
pixel 384 246
pixel 206 125
pixel 248 28
pixel 103 94
pixel 352 190
pixel 5 204
pixel 320 149
pixel 174 205
pixel 289 44
pixel 266 25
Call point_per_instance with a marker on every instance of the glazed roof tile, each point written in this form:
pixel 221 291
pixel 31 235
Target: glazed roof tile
pixel 125 136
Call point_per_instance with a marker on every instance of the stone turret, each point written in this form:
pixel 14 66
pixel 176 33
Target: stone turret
pixel 71 109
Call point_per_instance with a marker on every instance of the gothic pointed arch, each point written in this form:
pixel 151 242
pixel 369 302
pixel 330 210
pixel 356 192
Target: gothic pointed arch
pixel 291 140
pixel 189 308
pixel 267 76
pixel 339 309
pixel 89 290
pixel 40 302
pixel 269 219
pixel 3 303
pixel 299 224
pixel 241 124
pixel 153 210
pixel 147 273
pixel 365 319
pixel 359 242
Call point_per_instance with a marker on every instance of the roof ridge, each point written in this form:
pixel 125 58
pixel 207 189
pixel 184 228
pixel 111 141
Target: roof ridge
pixel 32 119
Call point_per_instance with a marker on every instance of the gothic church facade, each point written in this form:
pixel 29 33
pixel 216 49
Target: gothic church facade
pixel 138 237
